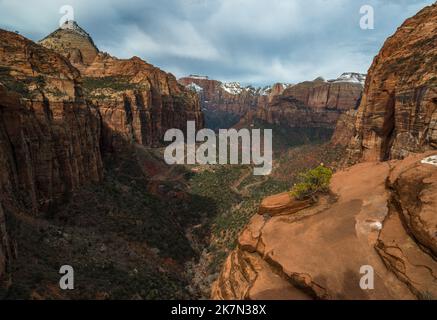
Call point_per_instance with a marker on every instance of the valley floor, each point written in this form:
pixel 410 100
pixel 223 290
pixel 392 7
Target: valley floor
pixel 149 231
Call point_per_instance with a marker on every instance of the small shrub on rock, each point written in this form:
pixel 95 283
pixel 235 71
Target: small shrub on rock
pixel 312 182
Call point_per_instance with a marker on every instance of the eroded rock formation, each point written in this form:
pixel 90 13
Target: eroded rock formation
pixel 373 218
pixel 398 111
pixel 380 214
pixel 225 103
pixel 344 128
pixel 50 136
pixel 60 111
pixel 137 101
pixel 317 103
pixel 72 42
pixel 231 97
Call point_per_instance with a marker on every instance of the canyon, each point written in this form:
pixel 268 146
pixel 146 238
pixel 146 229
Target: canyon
pixel 223 104
pixel 83 179
pixel 379 213
pixel 66 108
pixel 137 101
pixel 310 104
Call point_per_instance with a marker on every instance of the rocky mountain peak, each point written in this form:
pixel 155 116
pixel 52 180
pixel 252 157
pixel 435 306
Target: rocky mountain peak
pixel 73 42
pixel 351 77
pixel 72 25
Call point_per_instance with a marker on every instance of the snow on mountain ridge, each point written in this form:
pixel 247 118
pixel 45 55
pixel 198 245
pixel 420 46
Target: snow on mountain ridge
pixel 351 77
pixel 194 87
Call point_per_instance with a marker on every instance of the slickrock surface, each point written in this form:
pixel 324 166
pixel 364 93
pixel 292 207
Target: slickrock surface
pixel 137 101
pixel 398 111
pixel 382 215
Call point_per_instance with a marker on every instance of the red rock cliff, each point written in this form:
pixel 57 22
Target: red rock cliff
pixel 311 104
pixel 380 214
pixel 230 97
pixel 137 101
pixel 398 112
pixel 383 216
pixel 50 134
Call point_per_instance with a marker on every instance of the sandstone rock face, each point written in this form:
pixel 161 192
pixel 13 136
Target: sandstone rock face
pixel 229 100
pixel 56 120
pixel 318 252
pixel 230 97
pixel 333 95
pixel 72 42
pixel 315 103
pixel 50 137
pixel 344 129
pixel 398 111
pixel 137 101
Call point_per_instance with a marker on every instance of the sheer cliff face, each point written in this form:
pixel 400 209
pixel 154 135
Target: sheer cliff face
pixel 383 214
pixel 58 116
pixel 49 134
pixel 217 96
pixel 225 103
pixel 311 104
pixel 398 112
pixel 137 101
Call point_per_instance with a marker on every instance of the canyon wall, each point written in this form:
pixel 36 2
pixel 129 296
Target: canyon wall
pixel 398 112
pixel 317 103
pixel 378 214
pixel 137 101
pixel 230 97
pixel 59 114
pixel 50 134
pixel 224 104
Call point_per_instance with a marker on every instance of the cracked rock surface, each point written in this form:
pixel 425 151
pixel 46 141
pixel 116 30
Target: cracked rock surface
pixel 382 215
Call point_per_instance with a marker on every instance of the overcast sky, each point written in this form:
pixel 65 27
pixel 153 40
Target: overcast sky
pixel 251 41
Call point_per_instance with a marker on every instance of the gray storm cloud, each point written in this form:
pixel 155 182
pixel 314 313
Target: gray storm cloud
pixel 252 41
